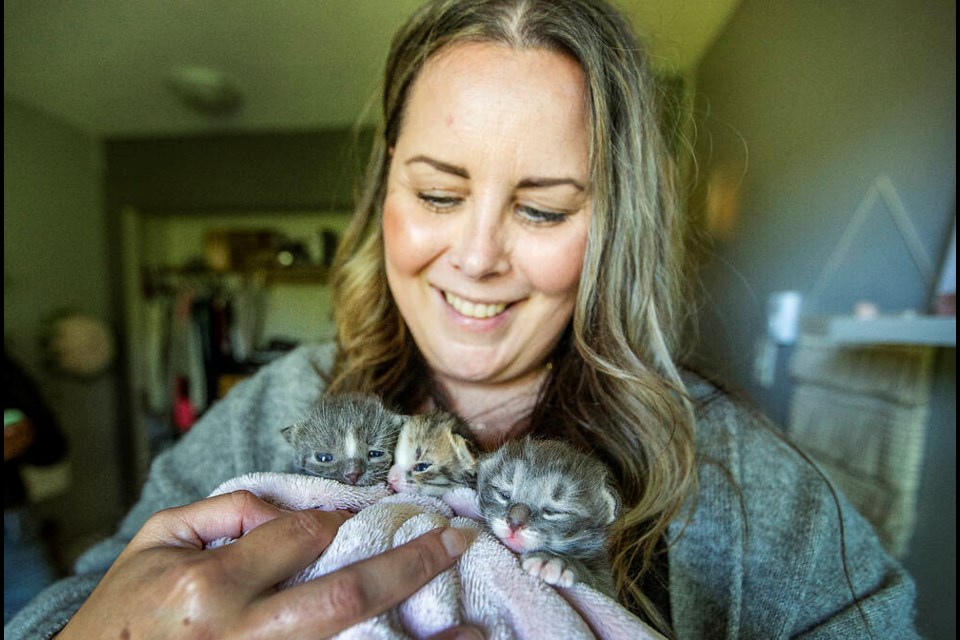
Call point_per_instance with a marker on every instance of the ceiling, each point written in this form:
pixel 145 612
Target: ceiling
pixel 104 66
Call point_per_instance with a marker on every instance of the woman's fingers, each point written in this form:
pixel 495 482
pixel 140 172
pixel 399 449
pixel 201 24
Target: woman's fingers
pixel 194 525
pixel 272 545
pixel 364 589
pixel 282 547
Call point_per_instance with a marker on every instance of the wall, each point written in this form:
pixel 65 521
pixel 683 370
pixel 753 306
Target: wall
pixel 54 245
pixel 806 104
pixel 289 171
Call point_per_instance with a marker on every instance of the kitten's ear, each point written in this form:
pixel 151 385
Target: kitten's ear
pixel 287 433
pixel 462 450
pixel 612 503
pixel 485 462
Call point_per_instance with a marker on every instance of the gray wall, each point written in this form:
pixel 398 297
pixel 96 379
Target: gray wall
pixel 812 102
pixel 54 246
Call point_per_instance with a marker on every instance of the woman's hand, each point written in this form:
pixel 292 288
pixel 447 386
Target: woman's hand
pixel 164 585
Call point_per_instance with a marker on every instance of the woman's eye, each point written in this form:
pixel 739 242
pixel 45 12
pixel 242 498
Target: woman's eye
pixel 540 216
pixel 374 454
pixel 436 202
pixel 421 466
pixel 324 457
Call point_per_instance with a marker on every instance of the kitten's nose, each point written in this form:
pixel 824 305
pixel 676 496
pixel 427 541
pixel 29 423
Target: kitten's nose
pixel 353 472
pixel 518 516
pixel 394 477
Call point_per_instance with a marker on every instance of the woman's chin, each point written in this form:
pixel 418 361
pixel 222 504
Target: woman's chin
pixel 468 376
pixel 467 365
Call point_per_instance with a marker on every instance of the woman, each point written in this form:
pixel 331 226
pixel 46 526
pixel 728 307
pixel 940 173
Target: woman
pixel 514 258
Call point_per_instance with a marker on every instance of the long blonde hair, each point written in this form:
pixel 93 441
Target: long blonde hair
pixel 614 387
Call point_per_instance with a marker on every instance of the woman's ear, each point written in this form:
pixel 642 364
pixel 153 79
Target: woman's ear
pixel 390 151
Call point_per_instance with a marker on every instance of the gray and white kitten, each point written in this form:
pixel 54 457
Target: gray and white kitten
pixel 435 453
pixel 349 438
pixel 554 506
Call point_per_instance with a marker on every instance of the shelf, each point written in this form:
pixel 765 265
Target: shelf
pixel 917 330
pixel 308 274
pixel 296 274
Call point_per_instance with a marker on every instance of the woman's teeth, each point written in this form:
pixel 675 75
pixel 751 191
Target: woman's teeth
pixel 471 309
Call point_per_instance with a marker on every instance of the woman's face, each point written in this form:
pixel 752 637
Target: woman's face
pixel 487 209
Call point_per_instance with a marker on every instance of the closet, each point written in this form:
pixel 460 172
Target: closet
pixel 210 298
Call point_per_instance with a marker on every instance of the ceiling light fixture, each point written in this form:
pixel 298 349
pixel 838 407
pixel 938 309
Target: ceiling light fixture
pixel 206 91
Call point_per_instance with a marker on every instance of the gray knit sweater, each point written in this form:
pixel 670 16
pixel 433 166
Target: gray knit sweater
pixel 759 558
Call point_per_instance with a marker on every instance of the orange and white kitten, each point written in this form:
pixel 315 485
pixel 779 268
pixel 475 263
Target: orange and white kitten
pixel 435 453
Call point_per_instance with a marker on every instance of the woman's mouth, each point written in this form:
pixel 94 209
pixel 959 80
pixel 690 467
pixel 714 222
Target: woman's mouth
pixel 473 309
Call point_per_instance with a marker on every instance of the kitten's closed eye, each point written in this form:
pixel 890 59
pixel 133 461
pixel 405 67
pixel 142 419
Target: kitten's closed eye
pixel 552 505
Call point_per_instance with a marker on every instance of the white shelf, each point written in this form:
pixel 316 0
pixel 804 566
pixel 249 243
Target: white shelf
pixel 919 330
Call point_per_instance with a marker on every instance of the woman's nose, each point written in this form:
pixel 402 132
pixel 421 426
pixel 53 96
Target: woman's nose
pixel 481 252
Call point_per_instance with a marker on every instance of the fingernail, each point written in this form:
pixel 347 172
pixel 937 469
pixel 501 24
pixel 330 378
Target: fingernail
pixel 454 542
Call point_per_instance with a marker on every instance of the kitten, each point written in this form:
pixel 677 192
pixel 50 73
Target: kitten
pixel 349 438
pixel 435 453
pixel 554 506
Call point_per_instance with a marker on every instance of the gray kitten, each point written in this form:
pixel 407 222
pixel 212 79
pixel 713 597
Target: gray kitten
pixel 554 506
pixel 349 438
pixel 435 453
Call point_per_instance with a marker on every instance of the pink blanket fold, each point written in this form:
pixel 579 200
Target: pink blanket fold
pixel 487 587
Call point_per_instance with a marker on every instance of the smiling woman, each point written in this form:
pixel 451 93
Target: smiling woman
pixel 483 257
pixel 515 256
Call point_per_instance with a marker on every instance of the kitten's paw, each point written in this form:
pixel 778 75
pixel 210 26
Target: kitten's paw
pixel 550 569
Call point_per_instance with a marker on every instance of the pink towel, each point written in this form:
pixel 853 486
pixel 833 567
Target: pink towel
pixel 487 587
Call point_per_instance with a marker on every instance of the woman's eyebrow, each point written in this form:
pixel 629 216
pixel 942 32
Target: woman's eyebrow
pixel 440 166
pixel 526 183
pixel 540 183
